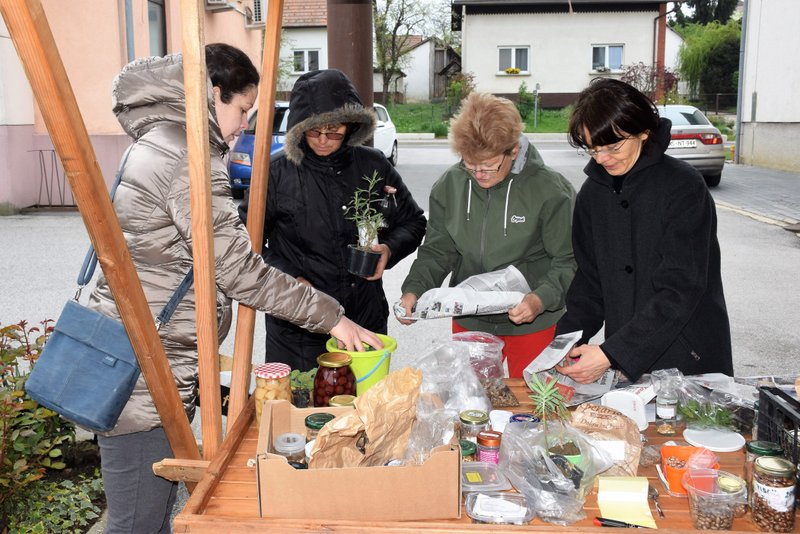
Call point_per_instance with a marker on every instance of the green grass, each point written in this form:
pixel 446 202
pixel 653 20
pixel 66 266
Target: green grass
pixel 426 118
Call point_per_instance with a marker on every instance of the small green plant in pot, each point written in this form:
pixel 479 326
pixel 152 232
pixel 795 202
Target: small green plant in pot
pixel 363 210
pixel 302 385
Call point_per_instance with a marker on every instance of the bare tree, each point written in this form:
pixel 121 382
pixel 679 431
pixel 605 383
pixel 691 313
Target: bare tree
pixel 396 21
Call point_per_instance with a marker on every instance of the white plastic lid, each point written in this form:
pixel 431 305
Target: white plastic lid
pixel 714 439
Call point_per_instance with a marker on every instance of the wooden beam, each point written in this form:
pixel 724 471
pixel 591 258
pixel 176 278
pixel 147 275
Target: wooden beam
pixel 195 81
pixel 30 32
pixel 181 470
pixel 259 183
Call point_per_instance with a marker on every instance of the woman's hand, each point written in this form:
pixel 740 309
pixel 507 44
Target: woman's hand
pixel 527 310
pixel 352 337
pixel 408 301
pixel 303 281
pixel 589 364
pixel 385 255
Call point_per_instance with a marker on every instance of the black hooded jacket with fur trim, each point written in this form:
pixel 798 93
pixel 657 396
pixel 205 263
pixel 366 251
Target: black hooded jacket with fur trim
pixel 305 230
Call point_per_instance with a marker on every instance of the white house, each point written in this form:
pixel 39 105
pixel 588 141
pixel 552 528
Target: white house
pixel 770 110
pixel 427 65
pixel 559 46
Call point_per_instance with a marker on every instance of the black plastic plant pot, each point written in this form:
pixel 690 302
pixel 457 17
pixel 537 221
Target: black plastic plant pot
pixel 362 262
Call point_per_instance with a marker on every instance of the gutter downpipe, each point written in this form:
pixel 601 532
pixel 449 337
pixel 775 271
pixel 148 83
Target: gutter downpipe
pixel 129 30
pixel 659 45
pixel 739 96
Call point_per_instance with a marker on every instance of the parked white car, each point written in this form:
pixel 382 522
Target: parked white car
pixel 385 134
pixel 696 141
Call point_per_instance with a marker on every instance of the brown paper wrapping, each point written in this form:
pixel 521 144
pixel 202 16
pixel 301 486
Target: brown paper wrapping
pixel 607 424
pixel 377 431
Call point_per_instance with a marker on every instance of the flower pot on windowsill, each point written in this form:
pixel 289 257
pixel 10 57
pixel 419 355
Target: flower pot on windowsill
pixel 362 262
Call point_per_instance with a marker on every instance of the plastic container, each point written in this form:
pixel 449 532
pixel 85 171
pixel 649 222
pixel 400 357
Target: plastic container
pixel 489 446
pixel 715 498
pixel 499 508
pixel 272 383
pixel 773 494
pixel 315 422
pixel 675 463
pixel 334 377
pixel 472 422
pixel 482 476
pixel 291 446
pixel 369 366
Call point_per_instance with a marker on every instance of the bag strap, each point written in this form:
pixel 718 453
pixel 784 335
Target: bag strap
pixel 90 263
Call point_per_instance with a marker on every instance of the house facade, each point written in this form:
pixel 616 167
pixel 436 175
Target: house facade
pixel 559 46
pixel 769 111
pixel 95 40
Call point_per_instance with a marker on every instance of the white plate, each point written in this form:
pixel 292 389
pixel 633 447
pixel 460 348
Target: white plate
pixel 714 440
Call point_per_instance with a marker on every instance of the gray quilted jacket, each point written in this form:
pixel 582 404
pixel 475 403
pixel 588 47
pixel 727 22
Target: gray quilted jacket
pixel 152 204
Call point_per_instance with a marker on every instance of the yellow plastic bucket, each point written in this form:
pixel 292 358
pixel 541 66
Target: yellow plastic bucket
pixel 369 366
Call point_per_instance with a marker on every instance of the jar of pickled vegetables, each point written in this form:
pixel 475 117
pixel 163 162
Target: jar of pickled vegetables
pixel 272 383
pixel 334 377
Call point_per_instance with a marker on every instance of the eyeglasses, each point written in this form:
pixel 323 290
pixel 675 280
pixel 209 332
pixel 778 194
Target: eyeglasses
pixel 474 172
pixel 593 152
pixel 333 136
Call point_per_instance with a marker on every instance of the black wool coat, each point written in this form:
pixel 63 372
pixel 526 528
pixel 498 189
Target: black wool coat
pixel 649 267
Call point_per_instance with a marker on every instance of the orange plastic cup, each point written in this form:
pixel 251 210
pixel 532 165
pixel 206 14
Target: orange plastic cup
pixel 674 475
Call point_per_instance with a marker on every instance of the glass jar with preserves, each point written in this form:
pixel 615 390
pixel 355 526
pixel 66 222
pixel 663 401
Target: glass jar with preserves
pixel 291 446
pixel 773 494
pixel 342 400
pixel 472 422
pixel 315 422
pixel 334 377
pixel 489 446
pixel 755 449
pixel 468 450
pixel 272 383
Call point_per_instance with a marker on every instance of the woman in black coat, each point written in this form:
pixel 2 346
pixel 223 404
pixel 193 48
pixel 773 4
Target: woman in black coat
pixel 306 228
pixel 645 240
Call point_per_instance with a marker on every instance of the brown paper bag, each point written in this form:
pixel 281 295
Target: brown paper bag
pixel 377 430
pixel 606 424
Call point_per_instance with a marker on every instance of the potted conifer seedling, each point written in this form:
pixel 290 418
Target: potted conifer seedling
pixel 363 210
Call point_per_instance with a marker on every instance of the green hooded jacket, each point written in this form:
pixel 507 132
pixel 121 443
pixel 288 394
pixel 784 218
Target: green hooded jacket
pixel 525 221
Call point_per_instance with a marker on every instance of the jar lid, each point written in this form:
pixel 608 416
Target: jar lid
pixel 729 484
pixel 467 447
pixel 774 465
pixel 489 438
pixel 764 448
pixel 523 418
pixel 342 400
pixel 315 421
pixel 474 417
pixel 334 359
pixel 290 443
pixel 272 371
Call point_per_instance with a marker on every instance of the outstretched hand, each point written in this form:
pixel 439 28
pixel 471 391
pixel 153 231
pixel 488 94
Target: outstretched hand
pixel 352 337
pixel 589 364
pixel 386 253
pixel 407 301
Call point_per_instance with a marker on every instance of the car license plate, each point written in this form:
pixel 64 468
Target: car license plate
pixel 683 143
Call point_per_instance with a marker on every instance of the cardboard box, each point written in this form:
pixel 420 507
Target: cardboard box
pixel 428 491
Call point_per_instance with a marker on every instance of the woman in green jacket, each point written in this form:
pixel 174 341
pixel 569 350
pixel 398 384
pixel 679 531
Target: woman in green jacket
pixel 499 206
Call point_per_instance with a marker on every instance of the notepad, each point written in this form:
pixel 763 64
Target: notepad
pixel 625 499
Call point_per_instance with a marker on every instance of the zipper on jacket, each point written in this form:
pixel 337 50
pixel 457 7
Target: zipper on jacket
pixel 483 227
pixel 695 355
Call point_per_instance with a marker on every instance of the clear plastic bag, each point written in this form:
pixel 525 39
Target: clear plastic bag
pixel 554 486
pixel 486 359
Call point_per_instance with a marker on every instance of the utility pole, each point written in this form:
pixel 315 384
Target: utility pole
pixel 350 43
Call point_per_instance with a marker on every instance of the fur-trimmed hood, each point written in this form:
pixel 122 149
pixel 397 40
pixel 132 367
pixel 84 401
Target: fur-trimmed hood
pixel 325 97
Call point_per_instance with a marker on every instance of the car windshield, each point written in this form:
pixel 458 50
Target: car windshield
pixel 684 117
pixel 280 112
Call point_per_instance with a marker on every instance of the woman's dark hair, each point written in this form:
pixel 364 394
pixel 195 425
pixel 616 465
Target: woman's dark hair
pixel 607 108
pixel 230 69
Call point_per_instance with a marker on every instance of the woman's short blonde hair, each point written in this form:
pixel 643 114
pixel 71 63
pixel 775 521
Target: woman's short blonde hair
pixel 485 126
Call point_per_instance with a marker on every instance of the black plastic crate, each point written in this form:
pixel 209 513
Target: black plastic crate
pixel 779 422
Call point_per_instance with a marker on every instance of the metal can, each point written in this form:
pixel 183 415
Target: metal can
pixel 773 489
pixel 489 446
pixel 334 377
pixel 472 422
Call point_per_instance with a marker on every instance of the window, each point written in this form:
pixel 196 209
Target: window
pixel 306 60
pixel 512 59
pixel 606 57
pixel 157 25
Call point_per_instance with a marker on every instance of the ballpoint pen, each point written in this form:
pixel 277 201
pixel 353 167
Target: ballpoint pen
pixel 605 522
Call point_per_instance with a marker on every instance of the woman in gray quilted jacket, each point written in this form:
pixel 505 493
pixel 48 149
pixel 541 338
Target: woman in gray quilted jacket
pixel 152 204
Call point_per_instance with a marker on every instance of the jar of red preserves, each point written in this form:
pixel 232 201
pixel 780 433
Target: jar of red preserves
pixel 334 377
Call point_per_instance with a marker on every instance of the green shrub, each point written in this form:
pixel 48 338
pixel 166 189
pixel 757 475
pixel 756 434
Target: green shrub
pixel 50 506
pixel 461 85
pixel 440 129
pixel 526 102
pixel 30 435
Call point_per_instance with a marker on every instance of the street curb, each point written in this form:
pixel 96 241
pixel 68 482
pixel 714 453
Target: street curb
pixel 755 216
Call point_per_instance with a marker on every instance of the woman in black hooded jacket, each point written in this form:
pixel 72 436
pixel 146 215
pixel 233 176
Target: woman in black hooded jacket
pixel 305 229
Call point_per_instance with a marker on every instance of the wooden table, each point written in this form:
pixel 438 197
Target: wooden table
pixel 226 500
